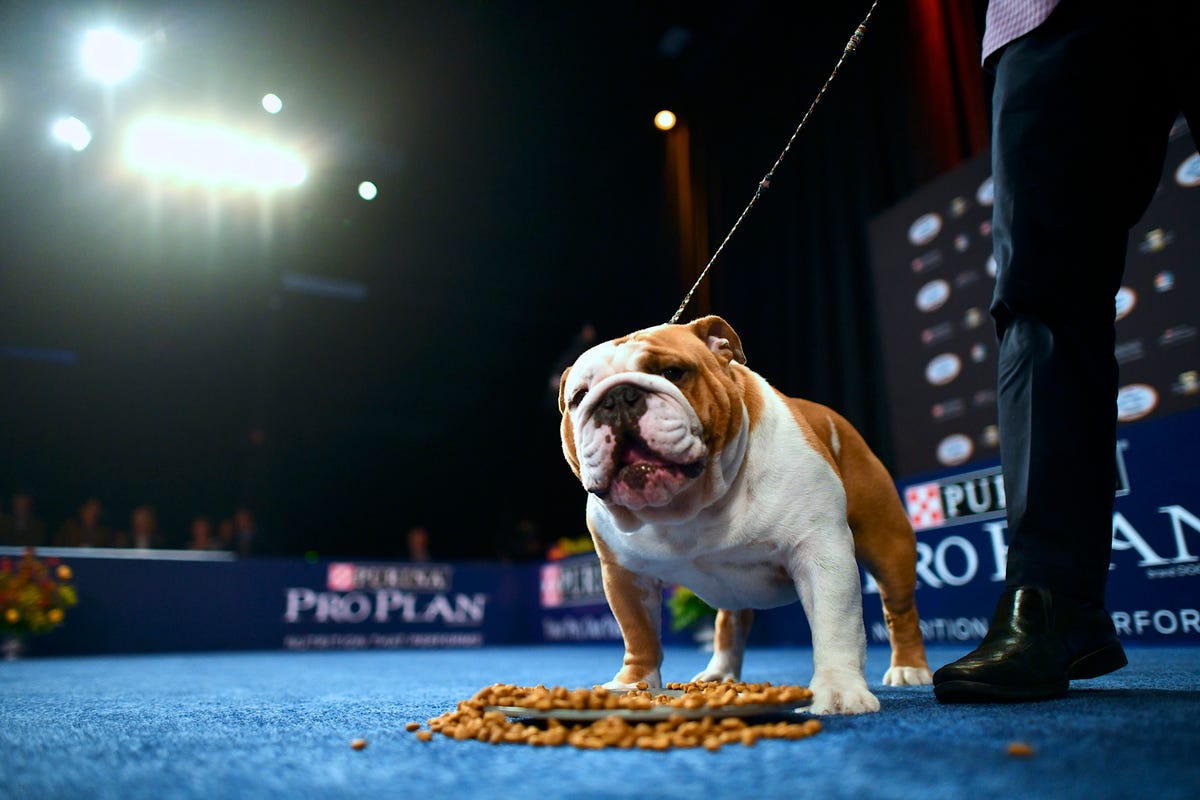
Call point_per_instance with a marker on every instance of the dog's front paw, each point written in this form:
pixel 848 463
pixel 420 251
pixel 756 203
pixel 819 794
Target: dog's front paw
pixel 722 667
pixel 841 694
pixel 623 682
pixel 907 676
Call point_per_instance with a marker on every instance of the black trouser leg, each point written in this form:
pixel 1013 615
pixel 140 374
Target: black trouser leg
pixel 1080 129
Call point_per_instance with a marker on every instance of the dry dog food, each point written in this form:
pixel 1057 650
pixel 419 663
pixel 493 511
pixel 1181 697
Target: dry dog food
pixel 359 744
pixel 471 721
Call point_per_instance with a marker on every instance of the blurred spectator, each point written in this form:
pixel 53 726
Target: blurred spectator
pixel 418 544
pixel 246 538
pixel 23 528
pixel 225 534
pixel 143 530
pixel 200 535
pixel 84 529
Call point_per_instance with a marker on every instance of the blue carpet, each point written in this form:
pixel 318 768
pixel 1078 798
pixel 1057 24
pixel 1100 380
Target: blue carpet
pixel 280 724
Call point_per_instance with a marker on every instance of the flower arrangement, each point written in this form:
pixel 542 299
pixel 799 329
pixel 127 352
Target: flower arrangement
pixel 567 546
pixel 34 595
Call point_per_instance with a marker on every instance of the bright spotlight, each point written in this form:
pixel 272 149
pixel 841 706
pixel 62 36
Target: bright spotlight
pixel 368 190
pixel 211 154
pixel 109 56
pixel 72 132
pixel 271 103
pixel 664 120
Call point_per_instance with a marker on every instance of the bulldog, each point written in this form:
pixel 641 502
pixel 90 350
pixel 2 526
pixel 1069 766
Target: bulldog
pixel 700 474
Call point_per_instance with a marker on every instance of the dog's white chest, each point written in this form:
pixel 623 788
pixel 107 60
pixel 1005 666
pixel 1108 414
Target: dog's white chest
pixel 750 577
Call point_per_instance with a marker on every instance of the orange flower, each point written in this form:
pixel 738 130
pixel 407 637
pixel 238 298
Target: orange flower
pixel 55 615
pixel 12 616
pixel 64 572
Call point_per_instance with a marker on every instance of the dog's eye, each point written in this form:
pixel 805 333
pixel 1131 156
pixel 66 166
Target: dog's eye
pixel 673 374
pixel 577 398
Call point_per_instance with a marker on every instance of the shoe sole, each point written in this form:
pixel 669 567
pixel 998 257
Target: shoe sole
pixel 1109 658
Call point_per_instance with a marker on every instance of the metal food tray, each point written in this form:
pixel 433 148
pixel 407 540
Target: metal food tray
pixel 654 714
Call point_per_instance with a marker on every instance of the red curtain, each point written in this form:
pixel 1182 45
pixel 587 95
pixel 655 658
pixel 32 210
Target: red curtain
pixel 951 107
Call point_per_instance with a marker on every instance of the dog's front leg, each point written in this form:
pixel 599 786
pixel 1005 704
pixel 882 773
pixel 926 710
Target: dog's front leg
pixel 827 581
pixel 729 645
pixel 636 602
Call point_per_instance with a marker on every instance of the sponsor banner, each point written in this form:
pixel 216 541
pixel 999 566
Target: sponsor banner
pixel 572 607
pixel 1154 575
pixel 573 581
pixel 164 601
pixel 359 605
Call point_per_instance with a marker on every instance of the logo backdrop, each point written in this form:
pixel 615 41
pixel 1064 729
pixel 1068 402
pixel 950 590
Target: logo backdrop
pixel 934 274
pixel 933 252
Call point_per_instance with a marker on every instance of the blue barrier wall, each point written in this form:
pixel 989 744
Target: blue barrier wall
pixel 159 601
pixel 147 601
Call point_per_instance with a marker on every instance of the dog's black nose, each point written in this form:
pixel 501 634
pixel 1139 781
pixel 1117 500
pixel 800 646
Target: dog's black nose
pixel 621 405
pixel 625 394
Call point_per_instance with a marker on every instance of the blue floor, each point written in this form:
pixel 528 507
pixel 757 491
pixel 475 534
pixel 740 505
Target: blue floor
pixel 280 725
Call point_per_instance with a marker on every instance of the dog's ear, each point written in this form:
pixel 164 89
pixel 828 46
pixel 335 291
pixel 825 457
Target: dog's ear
pixel 562 390
pixel 720 337
pixel 566 430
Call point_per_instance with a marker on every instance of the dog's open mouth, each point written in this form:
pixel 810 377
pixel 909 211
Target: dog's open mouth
pixel 643 477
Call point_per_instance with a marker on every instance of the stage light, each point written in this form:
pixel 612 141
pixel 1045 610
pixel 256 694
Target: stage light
pixel 72 132
pixel 208 153
pixel 664 120
pixel 368 190
pixel 109 56
pixel 272 104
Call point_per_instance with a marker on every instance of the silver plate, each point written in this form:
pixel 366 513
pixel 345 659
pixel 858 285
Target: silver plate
pixel 655 714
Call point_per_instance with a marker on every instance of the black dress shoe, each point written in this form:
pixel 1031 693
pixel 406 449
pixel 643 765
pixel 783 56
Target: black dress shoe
pixel 1037 643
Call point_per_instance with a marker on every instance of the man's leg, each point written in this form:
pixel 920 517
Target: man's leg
pixel 1078 142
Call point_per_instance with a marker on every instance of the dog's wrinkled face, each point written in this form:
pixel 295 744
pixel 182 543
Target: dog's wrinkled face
pixel 646 415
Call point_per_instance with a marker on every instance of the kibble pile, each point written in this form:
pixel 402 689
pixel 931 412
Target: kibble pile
pixel 472 719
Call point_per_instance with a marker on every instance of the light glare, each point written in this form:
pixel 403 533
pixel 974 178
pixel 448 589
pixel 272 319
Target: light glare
pixel 109 56
pixel 271 103
pixel 664 120
pixel 368 190
pixel 209 153
pixel 72 132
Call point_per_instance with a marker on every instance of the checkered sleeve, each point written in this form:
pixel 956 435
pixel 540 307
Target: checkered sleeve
pixel 1011 19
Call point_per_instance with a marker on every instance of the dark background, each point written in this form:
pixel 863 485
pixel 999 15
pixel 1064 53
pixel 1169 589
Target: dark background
pixel 149 355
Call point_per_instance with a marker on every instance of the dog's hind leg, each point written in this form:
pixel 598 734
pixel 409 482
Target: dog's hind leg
pixel 908 667
pixel 729 645
pixel 890 556
pixel 884 543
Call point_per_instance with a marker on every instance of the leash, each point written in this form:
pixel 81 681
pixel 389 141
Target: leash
pixel 765 183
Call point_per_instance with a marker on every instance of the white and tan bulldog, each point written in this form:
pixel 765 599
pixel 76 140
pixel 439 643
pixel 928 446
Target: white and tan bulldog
pixel 701 474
